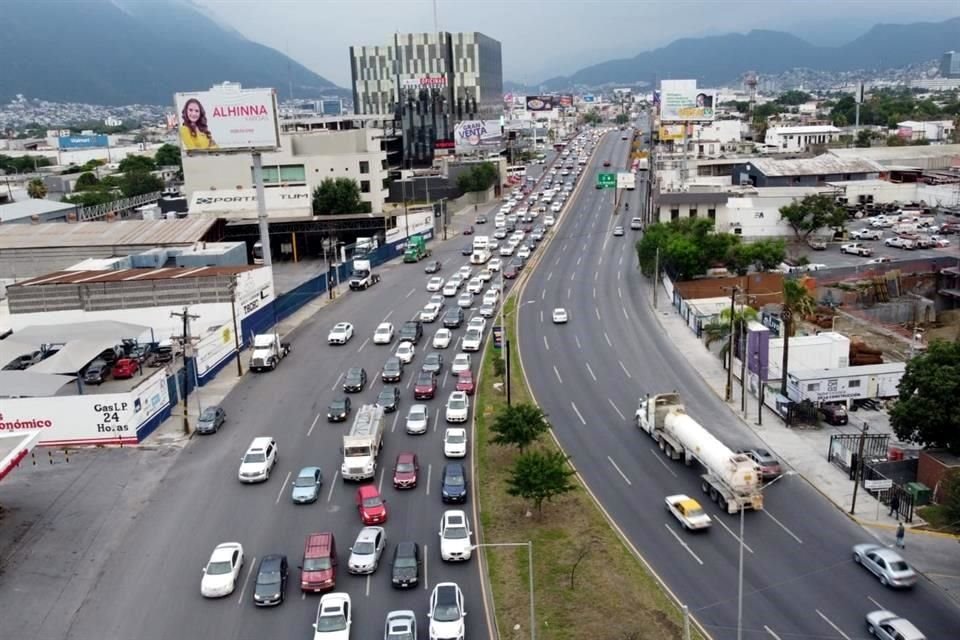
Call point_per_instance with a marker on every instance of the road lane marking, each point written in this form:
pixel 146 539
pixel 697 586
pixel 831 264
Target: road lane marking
pixel 368 585
pixel 380 484
pixel 620 262
pixel 546 344
pixel 564 249
pixel 333 483
pixel 877 604
pixel 624 309
pixel 594 292
pixel 541 316
pixel 577 411
pixel 558 374
pixel 386 317
pixel 734 535
pixel 620 471
pixel 619 413
pixel 412 291
pixel 543 294
pixel 577 340
pixel 315 420
pixel 446 374
pixel 619 293
pixel 624 369
pixel 337 383
pixel 618 276
pixel 568 293
pixel 663 462
pixel 607 338
pixel 590 371
pixel 597 311
pixel 363 345
pixel 573 274
pixel 410 381
pixel 596 276
pixel 775 636
pixel 684 544
pixel 550 275
pixel 579 260
pixel 600 261
pixel 429 473
pixel 784 527
pixel 829 622
pixel 283 486
pixel 243 587
pixel 396 417
pixel 436 419
pixel 426 575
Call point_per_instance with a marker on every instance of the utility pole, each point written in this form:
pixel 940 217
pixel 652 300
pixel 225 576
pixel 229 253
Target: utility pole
pixel 858 467
pixel 187 343
pixel 656 277
pixel 728 394
pixel 236 331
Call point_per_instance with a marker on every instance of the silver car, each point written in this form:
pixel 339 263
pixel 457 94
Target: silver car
pixel 888 565
pixel 400 625
pixel 365 552
pixel 418 419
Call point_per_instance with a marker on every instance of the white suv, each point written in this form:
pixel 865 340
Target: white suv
pixel 446 612
pixel 455 536
pixel 258 461
pixel 455 442
pixel 458 407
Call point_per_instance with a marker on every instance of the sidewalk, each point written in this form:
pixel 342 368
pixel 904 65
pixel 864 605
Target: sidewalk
pixel 805 451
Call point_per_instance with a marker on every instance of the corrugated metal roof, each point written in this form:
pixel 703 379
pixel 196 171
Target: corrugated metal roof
pixel 130 233
pixel 850 372
pixel 132 275
pixel 820 165
pixel 899 154
pixel 820 128
pixel 692 197
pixel 32 207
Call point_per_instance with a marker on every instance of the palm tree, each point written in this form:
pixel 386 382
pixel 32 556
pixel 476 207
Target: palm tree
pixel 720 329
pixel 36 189
pixel 797 303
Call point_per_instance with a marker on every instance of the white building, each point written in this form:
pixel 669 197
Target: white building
pixel 844 383
pixel 932 130
pixel 800 138
pixel 305 159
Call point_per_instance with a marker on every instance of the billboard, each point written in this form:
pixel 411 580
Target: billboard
pixel 228 118
pixel 83 142
pixel 288 200
pixel 566 101
pixel 626 180
pixel 680 100
pixel 474 134
pixel 540 103
pixel 589 98
pixel 671 132
pixel 429 81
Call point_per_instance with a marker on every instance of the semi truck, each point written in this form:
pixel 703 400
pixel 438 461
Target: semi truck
pixel 363 276
pixel 362 444
pixel 732 480
pixel 268 351
pixel 416 249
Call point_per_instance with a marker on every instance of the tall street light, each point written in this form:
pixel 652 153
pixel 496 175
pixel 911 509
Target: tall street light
pixel 740 567
pixel 529 545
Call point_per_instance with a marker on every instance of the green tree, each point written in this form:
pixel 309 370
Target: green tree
pixel 168 155
pixel 137 163
pixel 592 118
pixel 794 97
pixel 622 118
pixel 926 411
pixel 767 254
pixel 86 181
pixel 91 198
pixel 137 183
pixel 519 425
pixel 812 213
pixel 864 136
pixel 950 495
pixel 537 476
pixel 338 196
pixel 896 141
pixel 797 303
pixel 720 329
pixel 36 189
pixel 22 164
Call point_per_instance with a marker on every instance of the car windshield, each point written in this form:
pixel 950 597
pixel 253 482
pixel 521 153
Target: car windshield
pixel 208 414
pixel 270 576
pixel 405 562
pixel 364 548
pixel 417 414
pixel 305 481
pixel 455 533
pixel 456 438
pixel 372 501
pixel 454 480
pixel 218 568
pixel 899 565
pixel 446 613
pixel 392 365
pixel 405 467
pixel 457 404
pixel 383 331
pixel 353 374
pixel 432 358
pixel 329 624
pixel 386 397
pixel 316 564
pixel 338 405
pixel 695 513
pixel 252 458
pixel 425 378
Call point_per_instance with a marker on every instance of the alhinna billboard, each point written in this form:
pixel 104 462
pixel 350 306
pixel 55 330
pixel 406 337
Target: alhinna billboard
pixel 680 101
pixel 228 118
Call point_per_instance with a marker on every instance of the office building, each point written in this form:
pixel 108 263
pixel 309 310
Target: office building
pixel 950 65
pixel 429 82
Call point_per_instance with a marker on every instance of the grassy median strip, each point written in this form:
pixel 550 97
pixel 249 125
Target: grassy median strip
pixel 587 582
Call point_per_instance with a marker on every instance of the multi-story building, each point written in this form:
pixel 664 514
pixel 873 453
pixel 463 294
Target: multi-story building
pixel 800 138
pixel 429 82
pixel 950 65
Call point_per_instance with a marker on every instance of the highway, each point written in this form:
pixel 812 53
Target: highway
pixel 799 578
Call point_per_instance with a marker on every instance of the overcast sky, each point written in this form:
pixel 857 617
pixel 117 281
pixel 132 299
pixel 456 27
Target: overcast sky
pixel 544 38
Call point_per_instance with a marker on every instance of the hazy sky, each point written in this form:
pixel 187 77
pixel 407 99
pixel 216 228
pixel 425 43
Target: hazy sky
pixel 544 38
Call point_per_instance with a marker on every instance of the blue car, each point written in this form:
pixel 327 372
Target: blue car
pixel 453 483
pixel 306 486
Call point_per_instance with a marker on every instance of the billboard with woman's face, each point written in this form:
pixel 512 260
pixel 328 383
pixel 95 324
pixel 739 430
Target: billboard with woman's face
pixel 228 118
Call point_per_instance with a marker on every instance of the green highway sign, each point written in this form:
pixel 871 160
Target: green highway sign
pixel 606 181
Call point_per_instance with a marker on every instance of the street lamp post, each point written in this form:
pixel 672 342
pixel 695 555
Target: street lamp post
pixel 740 563
pixel 529 545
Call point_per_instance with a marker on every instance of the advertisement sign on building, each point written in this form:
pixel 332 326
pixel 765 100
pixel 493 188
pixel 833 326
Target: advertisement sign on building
pixel 472 134
pixel 589 98
pixel 566 101
pixel 758 350
pixel 444 144
pixel 626 180
pixel 83 142
pixel 429 81
pixel 680 100
pixel 245 200
pixel 671 132
pixel 540 103
pixel 228 118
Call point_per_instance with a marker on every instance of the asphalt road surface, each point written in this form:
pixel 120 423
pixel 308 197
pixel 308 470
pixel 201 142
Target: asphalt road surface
pixel 799 578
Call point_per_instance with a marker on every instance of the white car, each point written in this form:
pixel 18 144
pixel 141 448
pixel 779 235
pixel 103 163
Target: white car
pixel 559 315
pixel 446 612
pixel 431 312
pixel 522 211
pixel 340 334
pixel 442 338
pixel 491 296
pixel 688 511
pixel 222 570
pixel 485 275
pixel 506 250
pixel 940 241
pixel 366 550
pixel 437 298
pixel 455 442
pixel 475 285
pixel 258 461
pixel 461 362
pixel 478 323
pixel 458 407
pixel 523 252
pixel 465 272
pixel 435 284
pixel 405 352
pixel 383 333
pixel 494 264
pixel 555 207
pixel 886 625
pixel 418 419
pixel 334 617
pixel 450 289
pixel 400 625
pixel 487 310
pixel 465 301
pixel 548 221
pixel 455 545
pixel 472 340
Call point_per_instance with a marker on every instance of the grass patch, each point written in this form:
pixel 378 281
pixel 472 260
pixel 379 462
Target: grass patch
pixel 624 602
pixel 938 519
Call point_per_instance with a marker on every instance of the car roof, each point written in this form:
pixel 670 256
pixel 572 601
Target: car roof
pixel 454 430
pixel 334 602
pixel 308 471
pixel 446 592
pixel 455 513
pixel 453 467
pixel 368 490
pixel 272 562
pixel 406 456
pixel 224 551
pixel 369 533
pixel 407 548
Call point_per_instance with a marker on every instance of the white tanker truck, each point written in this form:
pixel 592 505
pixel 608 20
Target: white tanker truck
pixel 732 480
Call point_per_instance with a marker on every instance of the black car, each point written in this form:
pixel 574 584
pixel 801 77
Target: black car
pixel 433 266
pixel 392 370
pixel 355 380
pixel 97 372
pixel 433 362
pixel 389 399
pixel 517 263
pixel 338 410
pixel 835 414
pixel 271 584
pixel 467 249
pixel 453 318
pixel 453 483
pixel 411 330
pixel 406 565
pixel 211 419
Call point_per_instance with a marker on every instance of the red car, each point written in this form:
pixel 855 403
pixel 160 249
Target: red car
pixel 372 508
pixel 465 382
pixel 468 231
pixel 426 386
pixel 405 471
pixel 125 368
pixel 509 272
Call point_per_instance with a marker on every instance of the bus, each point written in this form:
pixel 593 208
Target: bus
pixel 518 170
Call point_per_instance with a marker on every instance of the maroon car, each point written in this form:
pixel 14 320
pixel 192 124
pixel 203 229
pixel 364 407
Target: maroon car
pixel 509 272
pixel 426 386
pixel 465 382
pixel 405 471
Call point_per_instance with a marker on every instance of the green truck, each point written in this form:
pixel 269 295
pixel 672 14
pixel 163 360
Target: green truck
pixel 416 250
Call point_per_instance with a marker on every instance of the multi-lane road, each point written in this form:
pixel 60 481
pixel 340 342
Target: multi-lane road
pixel 799 579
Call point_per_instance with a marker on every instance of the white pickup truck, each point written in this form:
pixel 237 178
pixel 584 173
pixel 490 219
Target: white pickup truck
pixel 856 249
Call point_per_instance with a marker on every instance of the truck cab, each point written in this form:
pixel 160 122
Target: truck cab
pixel 416 249
pixel 363 276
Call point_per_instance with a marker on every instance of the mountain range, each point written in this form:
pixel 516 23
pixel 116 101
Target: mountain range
pixel 716 60
pixel 115 52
